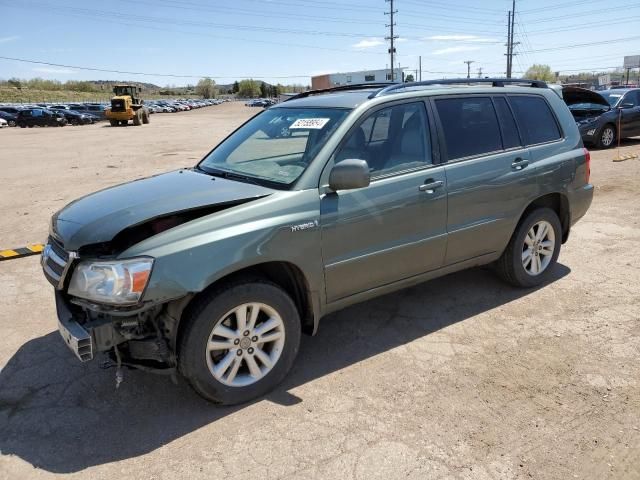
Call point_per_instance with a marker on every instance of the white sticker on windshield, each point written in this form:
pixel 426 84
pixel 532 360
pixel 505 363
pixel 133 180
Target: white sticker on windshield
pixel 312 123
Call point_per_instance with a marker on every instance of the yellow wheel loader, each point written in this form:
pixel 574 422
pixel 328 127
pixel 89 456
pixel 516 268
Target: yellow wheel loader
pixel 127 105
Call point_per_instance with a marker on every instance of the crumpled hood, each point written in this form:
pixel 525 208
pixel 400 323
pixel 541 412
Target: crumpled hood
pixel 100 216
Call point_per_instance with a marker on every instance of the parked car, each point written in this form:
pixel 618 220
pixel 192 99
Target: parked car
pixel 12 110
pixel 75 118
pixel 3 123
pixel 215 271
pixel 41 117
pixel 600 114
pixel 10 118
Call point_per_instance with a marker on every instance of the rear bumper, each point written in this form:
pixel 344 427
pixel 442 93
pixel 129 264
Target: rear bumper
pixel 128 115
pixel 580 201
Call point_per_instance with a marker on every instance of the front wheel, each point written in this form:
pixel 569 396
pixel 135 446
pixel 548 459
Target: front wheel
pixel 607 136
pixel 533 250
pixel 239 341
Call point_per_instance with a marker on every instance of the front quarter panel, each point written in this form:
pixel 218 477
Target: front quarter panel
pixel 282 227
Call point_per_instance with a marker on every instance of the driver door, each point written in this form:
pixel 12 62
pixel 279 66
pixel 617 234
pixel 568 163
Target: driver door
pixel 396 227
pixel 631 115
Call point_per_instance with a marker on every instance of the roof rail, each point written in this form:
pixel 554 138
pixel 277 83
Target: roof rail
pixel 495 82
pixel 354 86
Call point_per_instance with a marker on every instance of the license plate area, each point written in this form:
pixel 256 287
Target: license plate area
pixel 77 339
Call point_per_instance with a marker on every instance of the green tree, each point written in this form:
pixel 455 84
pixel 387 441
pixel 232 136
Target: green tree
pixel 540 72
pixel 206 88
pixel 264 91
pixel 409 78
pixel 14 82
pixel 249 88
pixel 236 87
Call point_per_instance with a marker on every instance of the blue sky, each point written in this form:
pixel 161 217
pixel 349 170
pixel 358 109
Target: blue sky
pixel 286 41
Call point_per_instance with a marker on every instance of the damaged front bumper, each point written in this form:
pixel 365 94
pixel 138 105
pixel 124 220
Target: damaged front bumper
pixel 143 339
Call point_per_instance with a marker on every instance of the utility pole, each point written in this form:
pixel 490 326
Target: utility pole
pixel 420 68
pixel 391 37
pixel 508 54
pixel 510 43
pixel 480 72
pixel 469 62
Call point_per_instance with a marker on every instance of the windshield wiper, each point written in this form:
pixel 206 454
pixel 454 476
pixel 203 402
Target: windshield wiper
pixel 215 172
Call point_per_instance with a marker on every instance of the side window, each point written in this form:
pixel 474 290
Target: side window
pixel 36 112
pixel 510 136
pixel 535 118
pixel 632 97
pixel 391 140
pixel 470 126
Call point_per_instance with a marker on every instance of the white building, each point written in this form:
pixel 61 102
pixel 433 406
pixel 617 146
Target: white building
pixel 366 76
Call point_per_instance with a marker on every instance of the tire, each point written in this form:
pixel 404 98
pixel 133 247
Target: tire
pixel 511 265
pixel 207 316
pixel 113 123
pixel 607 137
pixel 145 118
pixel 12 123
pixel 137 118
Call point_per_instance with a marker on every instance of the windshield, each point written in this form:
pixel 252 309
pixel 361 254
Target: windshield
pixel 612 97
pixel 277 145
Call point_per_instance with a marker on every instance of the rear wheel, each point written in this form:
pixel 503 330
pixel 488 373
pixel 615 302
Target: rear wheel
pixel 145 117
pixel 607 136
pixel 239 341
pixel 137 118
pixel 533 250
pixel 12 123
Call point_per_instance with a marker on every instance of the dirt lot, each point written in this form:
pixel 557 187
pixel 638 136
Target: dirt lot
pixel 462 377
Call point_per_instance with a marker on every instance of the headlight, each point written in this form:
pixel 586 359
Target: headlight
pixel 119 282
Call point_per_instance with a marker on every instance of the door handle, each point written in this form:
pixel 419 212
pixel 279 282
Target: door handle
pixel 519 164
pixel 430 185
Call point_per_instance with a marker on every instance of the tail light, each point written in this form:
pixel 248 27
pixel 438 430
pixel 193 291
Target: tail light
pixel 587 164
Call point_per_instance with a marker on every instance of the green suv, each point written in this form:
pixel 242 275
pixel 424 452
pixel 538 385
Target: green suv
pixel 331 198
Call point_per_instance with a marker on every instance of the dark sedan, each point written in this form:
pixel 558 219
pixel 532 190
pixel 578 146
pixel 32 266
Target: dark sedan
pixel 9 117
pixel 41 117
pixel 600 115
pixel 75 118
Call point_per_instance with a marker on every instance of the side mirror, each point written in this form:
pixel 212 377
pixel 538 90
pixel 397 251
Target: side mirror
pixel 349 174
pixel 627 105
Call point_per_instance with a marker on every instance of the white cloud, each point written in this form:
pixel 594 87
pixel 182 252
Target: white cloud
pixel 368 43
pixel 444 51
pixel 460 38
pixel 53 70
pixel 8 39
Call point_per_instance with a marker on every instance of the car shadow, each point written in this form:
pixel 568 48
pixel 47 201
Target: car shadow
pixel 63 416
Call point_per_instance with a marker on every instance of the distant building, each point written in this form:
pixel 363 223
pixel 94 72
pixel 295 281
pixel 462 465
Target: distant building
pixel 366 76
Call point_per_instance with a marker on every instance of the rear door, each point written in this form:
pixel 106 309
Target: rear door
pixel 489 175
pixel 396 227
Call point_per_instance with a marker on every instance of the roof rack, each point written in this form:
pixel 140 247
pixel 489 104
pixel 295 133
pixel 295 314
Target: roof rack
pixel 495 82
pixel 354 86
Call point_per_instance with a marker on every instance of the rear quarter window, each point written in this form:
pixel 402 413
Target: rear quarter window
pixel 537 122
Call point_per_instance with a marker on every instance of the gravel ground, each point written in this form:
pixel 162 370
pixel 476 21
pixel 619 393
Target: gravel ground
pixel 459 378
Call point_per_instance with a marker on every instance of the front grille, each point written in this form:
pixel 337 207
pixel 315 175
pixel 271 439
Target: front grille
pixel 117 106
pixel 56 262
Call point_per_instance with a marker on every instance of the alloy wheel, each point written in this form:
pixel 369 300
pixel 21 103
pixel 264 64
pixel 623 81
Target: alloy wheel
pixel 538 248
pixel 245 344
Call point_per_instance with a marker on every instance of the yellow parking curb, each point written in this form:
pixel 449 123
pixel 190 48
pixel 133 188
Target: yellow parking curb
pixel 10 254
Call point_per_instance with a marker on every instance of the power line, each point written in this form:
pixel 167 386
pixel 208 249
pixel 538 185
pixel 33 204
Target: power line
pixel 95 69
